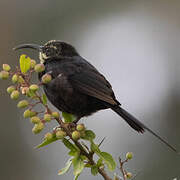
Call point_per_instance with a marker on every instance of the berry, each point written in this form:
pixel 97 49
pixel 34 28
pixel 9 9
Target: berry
pixel 22 104
pixel 24 90
pixel 47 117
pixel 129 155
pixel 60 134
pixel 30 93
pixel 15 95
pixel 55 115
pixel 46 78
pixel 80 127
pixel 20 80
pixel 34 87
pixel 128 175
pixel 39 68
pixel 10 89
pixel 28 113
pixel 4 75
pixel 38 128
pixel 15 78
pixel 6 67
pixel 48 136
pixel 33 63
pixel 76 135
pixel 35 120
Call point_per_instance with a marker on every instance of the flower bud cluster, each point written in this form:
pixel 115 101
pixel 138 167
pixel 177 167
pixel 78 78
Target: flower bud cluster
pixel 59 133
pixel 22 85
pixel 4 74
pixel 78 132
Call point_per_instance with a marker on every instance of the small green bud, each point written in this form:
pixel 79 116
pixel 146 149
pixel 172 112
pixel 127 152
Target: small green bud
pixel 10 89
pixel 38 128
pixel 39 68
pixel 34 87
pixel 129 155
pixel 55 115
pixel 33 63
pixel 28 113
pixel 35 120
pixel 22 104
pixel 60 134
pixel 30 93
pixel 33 113
pixel 128 175
pixel 15 95
pixel 15 78
pixel 76 135
pixel 47 117
pixel 20 80
pixel 4 75
pixel 48 136
pixel 6 67
pixel 46 78
pixel 80 127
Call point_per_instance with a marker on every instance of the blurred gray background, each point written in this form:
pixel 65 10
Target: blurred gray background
pixel 135 44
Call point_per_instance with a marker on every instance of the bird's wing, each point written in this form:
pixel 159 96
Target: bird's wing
pixel 89 81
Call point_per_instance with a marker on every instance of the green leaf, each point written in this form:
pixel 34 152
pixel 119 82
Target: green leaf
pixel 78 164
pixel 72 153
pixel 68 117
pixel 66 168
pixel 76 177
pixel 95 148
pixel 99 163
pixel 89 135
pixel 84 157
pixel 25 63
pixel 44 99
pixel 70 146
pixel 94 170
pixel 46 142
pixel 108 160
pixel 106 157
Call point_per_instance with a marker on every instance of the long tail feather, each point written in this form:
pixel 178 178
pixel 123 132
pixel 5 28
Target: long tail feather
pixel 137 125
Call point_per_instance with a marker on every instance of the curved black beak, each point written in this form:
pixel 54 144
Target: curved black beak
pixel 31 46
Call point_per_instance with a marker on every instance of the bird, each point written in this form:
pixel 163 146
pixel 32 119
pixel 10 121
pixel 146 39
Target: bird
pixel 77 87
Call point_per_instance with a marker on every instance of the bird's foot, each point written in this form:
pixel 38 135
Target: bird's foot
pixel 71 126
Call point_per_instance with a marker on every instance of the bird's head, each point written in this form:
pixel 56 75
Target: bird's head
pixel 53 49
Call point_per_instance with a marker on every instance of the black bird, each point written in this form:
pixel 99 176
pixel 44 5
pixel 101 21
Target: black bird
pixel 77 87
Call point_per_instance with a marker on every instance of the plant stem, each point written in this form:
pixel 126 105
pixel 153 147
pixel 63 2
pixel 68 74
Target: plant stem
pixel 82 150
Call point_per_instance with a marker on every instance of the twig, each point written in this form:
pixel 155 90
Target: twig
pixel 121 168
pixel 82 150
